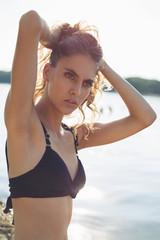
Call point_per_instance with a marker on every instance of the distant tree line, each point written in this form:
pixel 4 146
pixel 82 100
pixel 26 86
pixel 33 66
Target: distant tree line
pixel 144 86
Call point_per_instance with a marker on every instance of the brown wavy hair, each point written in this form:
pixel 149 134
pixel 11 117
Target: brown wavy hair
pixel 70 40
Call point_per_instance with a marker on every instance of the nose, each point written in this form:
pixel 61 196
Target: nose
pixel 76 90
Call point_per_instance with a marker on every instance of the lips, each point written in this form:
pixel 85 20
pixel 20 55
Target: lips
pixel 71 102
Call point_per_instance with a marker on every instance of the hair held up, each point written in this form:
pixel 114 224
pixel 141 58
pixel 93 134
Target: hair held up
pixel 69 40
pixel 73 40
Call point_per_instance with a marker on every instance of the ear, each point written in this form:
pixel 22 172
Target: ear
pixel 46 71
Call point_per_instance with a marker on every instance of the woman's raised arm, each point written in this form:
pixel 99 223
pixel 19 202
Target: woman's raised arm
pixel 140 111
pixel 19 104
pixel 141 114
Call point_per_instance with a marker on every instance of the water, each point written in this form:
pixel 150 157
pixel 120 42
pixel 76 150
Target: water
pixel 121 200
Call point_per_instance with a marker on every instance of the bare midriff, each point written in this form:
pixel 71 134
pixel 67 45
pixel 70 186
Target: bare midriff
pixel 42 218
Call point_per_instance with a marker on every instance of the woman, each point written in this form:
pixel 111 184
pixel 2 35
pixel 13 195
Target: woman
pixel 44 171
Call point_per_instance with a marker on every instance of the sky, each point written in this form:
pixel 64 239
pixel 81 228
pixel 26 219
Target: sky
pixel 129 30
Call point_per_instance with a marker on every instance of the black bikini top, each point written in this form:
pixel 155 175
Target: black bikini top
pixel 49 178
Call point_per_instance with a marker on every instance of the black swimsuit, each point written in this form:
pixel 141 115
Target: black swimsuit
pixel 49 178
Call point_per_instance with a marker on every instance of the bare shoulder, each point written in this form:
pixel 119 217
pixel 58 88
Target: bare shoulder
pixel 84 133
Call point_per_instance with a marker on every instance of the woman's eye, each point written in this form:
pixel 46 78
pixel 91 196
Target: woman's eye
pixel 69 75
pixel 88 84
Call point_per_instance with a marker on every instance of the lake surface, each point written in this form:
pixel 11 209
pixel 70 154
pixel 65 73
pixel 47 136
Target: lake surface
pixel 121 200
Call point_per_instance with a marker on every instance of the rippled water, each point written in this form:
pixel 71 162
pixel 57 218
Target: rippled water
pixel 121 200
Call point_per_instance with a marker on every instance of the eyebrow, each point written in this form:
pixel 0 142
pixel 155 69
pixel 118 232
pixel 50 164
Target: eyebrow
pixel 72 71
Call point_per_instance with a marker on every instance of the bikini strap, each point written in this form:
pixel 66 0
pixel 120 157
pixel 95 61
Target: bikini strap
pixel 74 136
pixel 48 143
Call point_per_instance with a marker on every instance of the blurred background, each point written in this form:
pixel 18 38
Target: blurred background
pixel 121 198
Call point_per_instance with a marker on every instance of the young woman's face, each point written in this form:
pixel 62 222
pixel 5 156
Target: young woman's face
pixel 70 82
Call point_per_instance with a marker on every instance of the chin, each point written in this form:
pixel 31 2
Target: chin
pixel 66 113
